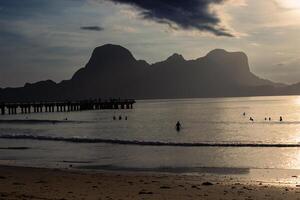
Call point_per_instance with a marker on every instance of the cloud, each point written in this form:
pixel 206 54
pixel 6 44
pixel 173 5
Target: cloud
pixel 92 28
pixel 192 14
pixel 126 29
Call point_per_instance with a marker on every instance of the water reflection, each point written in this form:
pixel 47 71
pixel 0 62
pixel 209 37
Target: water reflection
pixel 204 120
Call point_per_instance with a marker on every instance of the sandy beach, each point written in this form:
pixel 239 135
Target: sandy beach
pixel 36 183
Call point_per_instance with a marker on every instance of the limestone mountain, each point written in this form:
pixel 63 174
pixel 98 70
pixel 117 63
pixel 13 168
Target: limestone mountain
pixel 112 71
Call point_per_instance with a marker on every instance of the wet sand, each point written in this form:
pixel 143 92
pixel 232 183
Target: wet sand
pixel 36 183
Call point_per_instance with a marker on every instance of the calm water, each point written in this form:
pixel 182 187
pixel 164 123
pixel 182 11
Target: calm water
pixel 205 121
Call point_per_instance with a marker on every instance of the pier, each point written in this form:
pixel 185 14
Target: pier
pixel 66 106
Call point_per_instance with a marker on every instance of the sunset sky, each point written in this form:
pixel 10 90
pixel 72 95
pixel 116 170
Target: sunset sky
pixel 51 39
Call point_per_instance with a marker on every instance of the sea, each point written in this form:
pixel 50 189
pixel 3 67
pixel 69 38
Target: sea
pixel 217 137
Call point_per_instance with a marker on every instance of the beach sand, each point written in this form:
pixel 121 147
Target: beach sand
pixel 43 184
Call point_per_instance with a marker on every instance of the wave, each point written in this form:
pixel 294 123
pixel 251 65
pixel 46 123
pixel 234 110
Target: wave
pixel 14 148
pixel 36 121
pixel 77 162
pixel 147 143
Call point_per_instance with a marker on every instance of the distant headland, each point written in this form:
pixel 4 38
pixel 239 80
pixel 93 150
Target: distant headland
pixel 113 72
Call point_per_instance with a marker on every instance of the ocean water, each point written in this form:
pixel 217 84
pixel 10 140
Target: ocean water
pixel 215 138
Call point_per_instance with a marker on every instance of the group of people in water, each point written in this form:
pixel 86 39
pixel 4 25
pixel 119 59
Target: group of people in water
pixel 270 119
pixel 120 117
pixel 178 125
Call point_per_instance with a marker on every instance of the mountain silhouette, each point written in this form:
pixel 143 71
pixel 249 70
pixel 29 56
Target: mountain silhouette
pixel 113 72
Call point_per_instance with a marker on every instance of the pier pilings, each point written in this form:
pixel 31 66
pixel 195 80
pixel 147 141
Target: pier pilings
pixel 66 106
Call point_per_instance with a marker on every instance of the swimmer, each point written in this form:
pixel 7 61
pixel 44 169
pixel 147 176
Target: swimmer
pixel 178 126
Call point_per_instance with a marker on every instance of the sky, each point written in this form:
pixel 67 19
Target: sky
pixel 51 39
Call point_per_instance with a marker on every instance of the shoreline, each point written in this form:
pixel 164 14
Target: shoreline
pixel 45 183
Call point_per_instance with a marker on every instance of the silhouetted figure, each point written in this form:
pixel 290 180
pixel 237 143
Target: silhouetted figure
pixel 270 119
pixel 120 117
pixel 114 118
pixel 265 119
pixel 244 114
pixel 178 126
pixel 126 117
pixel 280 119
pixel 66 119
pixel 251 119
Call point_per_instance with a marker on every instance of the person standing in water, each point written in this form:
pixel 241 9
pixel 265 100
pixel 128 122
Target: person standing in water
pixel 280 119
pixel 178 126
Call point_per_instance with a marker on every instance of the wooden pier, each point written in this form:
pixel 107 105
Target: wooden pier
pixel 66 106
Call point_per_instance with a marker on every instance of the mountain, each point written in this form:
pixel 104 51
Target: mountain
pixel 112 71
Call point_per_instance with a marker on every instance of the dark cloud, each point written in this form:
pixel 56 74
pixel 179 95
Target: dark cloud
pixel 191 14
pixel 92 28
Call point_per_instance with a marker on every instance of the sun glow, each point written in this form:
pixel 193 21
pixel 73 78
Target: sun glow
pixel 291 4
pixel 297 100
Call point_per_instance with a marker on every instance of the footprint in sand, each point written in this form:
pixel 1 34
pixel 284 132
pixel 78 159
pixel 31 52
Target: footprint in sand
pixel 144 192
pixel 165 187
pixel 196 187
pixel 16 183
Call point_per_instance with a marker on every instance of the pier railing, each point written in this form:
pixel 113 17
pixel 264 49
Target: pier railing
pixel 64 106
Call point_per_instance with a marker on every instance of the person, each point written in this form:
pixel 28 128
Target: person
pixel 265 119
pixel 251 119
pixel 126 117
pixel 244 114
pixel 114 117
pixel 178 126
pixel 120 117
pixel 270 119
pixel 280 119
